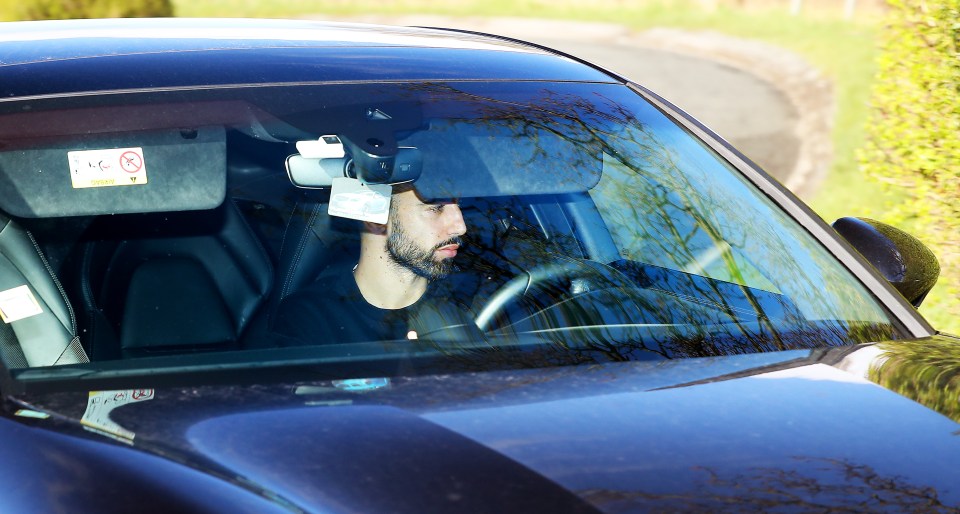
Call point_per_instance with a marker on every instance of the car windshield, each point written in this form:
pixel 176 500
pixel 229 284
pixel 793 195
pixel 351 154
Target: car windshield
pixel 190 228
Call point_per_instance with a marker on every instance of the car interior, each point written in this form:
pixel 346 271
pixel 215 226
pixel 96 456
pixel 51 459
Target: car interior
pixel 221 221
pixel 183 279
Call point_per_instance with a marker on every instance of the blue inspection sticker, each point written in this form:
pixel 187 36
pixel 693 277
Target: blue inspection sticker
pixel 361 384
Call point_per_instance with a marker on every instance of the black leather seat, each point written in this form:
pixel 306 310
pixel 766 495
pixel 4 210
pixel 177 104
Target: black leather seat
pixel 39 328
pixel 313 242
pixel 172 282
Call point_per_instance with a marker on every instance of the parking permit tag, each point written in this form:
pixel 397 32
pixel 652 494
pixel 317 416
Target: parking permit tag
pixel 18 303
pixel 350 198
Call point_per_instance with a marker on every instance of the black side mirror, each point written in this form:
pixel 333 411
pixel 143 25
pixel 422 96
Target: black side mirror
pixel 901 258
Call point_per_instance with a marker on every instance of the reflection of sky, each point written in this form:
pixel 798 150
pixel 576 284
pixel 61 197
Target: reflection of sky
pixel 665 441
pixel 750 223
pixel 768 228
pixel 552 384
pixel 285 31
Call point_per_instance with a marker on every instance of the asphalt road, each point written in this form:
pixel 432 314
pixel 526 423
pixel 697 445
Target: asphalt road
pixel 746 109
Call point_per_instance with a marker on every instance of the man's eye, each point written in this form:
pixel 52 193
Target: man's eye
pixel 437 208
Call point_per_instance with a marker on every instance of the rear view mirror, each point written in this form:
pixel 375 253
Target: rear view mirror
pixel 320 161
pixel 314 173
pixel 901 258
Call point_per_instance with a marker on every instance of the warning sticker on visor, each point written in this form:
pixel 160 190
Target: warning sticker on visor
pixel 108 167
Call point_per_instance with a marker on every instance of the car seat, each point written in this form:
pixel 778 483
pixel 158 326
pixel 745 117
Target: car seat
pixel 313 243
pixel 38 327
pixel 171 282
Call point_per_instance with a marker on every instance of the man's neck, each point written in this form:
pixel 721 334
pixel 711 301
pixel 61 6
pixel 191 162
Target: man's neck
pixel 385 285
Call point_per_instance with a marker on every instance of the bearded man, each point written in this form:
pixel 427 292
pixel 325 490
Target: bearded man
pixel 380 299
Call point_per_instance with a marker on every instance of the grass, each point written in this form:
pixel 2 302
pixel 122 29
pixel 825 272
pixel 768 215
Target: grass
pixel 8 8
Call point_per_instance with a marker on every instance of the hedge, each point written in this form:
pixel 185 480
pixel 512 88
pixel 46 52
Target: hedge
pixel 65 9
pixel 914 129
pixel 927 371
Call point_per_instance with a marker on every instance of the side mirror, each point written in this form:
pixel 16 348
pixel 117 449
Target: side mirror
pixel 901 258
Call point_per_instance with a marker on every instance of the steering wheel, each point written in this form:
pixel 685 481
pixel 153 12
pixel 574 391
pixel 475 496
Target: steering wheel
pixel 570 277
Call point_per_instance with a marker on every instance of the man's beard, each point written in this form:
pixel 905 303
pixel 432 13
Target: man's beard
pixel 406 254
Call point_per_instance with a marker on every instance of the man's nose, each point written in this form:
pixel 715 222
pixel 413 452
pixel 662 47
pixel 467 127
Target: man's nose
pixel 455 224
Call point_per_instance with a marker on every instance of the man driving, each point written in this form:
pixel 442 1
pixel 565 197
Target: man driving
pixel 398 262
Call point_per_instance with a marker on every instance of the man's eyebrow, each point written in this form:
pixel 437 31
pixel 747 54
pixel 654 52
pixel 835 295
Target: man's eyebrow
pixel 441 201
pixel 438 203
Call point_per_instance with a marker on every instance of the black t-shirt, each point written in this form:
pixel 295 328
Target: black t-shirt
pixel 332 310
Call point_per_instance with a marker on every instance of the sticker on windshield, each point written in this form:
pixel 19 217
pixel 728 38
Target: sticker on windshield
pixel 101 403
pixel 18 303
pixel 108 167
pixel 359 385
pixel 27 413
pixel 350 198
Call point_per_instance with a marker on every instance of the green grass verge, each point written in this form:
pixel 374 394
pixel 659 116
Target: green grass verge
pixel 8 8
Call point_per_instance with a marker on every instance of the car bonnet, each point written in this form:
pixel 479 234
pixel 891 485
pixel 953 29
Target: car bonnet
pixel 743 432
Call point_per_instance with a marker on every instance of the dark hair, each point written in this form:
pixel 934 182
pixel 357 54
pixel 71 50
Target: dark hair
pixel 403 188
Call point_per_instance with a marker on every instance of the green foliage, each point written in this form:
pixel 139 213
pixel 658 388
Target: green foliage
pixel 66 9
pixel 926 370
pixel 913 136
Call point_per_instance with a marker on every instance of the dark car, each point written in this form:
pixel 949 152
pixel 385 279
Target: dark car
pixel 621 312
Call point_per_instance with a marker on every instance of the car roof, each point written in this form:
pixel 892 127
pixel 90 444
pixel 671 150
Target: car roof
pixel 53 58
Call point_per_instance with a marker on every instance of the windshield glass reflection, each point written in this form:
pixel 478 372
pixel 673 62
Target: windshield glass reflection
pixel 528 224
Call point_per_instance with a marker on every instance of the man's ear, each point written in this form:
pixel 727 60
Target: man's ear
pixel 379 229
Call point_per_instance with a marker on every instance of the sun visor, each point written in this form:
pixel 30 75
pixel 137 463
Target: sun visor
pixel 159 170
pixel 457 159
pixel 469 159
